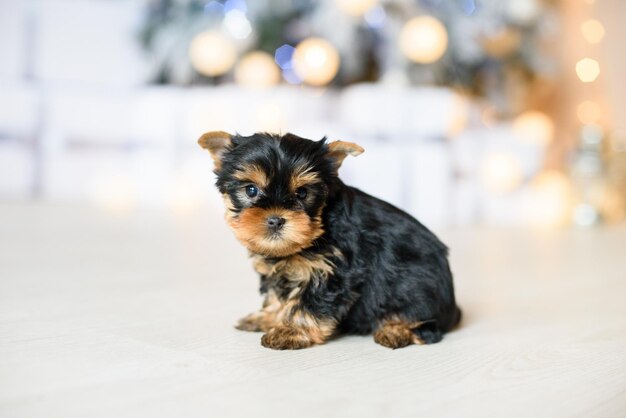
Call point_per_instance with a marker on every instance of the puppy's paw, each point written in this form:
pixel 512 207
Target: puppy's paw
pixel 252 323
pixel 286 338
pixel 395 336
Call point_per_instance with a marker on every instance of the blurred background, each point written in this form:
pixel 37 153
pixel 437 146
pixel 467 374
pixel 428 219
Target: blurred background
pixel 490 112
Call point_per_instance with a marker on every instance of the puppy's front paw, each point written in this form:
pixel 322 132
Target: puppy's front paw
pixel 286 338
pixel 252 323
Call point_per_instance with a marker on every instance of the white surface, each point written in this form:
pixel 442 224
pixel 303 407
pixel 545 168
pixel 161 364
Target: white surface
pixel 133 317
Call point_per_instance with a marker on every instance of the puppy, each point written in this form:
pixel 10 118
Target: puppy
pixel 331 258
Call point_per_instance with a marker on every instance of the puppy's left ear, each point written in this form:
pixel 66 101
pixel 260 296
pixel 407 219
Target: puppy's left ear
pixel 217 142
pixel 339 150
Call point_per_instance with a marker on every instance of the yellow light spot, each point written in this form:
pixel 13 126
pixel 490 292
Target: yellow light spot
pixel 534 127
pixel 593 31
pixel 316 61
pixel 257 70
pixel 211 54
pixel 423 39
pixel 587 70
pixel 588 112
pixel 355 7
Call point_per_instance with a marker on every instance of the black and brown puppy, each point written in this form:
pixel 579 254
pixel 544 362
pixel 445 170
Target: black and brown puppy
pixel 332 259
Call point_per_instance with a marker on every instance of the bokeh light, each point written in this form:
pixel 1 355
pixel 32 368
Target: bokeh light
pixel 587 70
pixel 283 56
pixel 593 31
pixel 534 127
pixel 356 7
pixel 501 172
pixel 257 70
pixel 211 53
pixel 423 39
pixel 237 24
pixel 316 61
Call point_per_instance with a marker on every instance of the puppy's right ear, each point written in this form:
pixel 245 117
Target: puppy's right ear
pixel 217 142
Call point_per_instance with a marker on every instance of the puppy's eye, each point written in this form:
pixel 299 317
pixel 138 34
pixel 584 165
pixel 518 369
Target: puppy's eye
pixel 301 193
pixel 252 190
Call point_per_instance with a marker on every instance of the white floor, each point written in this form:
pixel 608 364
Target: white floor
pixel 132 317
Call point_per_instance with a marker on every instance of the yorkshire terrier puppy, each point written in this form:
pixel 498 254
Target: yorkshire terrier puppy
pixel 332 259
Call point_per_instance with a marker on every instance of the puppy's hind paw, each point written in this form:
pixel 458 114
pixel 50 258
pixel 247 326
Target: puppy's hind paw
pixel 396 335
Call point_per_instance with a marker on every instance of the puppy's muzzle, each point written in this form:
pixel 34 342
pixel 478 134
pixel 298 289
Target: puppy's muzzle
pixel 275 223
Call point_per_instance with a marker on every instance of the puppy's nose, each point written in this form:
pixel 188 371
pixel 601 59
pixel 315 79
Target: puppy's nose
pixel 275 223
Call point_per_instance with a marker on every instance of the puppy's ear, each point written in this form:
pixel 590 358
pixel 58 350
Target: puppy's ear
pixel 217 142
pixel 339 150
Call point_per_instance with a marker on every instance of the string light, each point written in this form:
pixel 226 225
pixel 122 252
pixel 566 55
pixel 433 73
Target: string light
pixel 356 7
pixel 423 39
pixel 257 70
pixel 534 127
pixel 316 61
pixel 283 55
pixel 237 24
pixel 290 76
pixel 211 53
pixel 593 31
pixel 587 70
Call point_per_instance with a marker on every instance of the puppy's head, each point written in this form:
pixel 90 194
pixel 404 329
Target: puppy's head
pixel 275 187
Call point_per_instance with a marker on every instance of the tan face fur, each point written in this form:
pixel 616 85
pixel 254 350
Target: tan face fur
pixel 289 176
